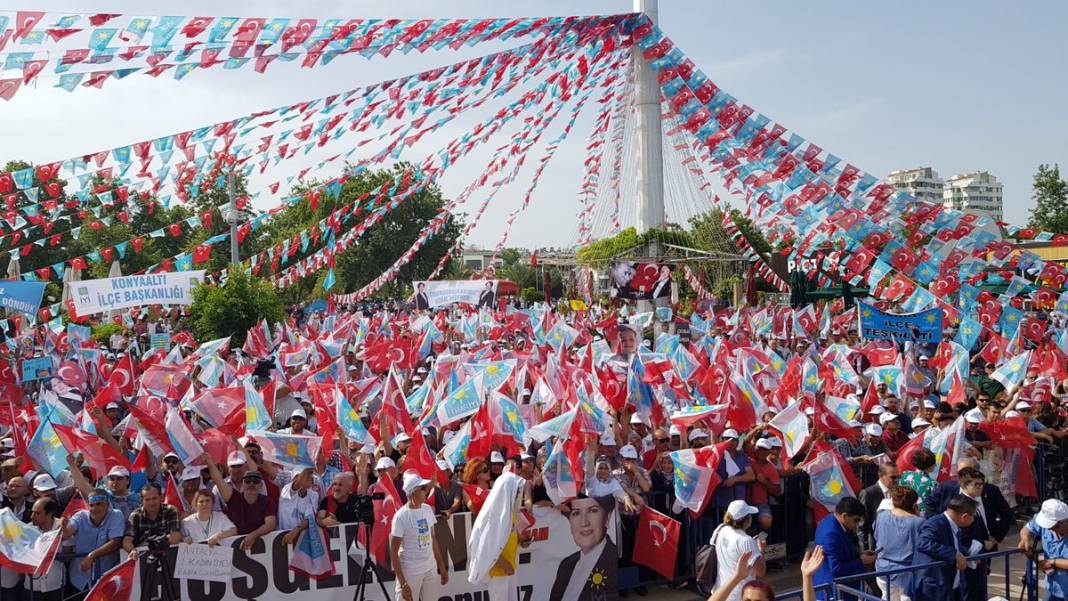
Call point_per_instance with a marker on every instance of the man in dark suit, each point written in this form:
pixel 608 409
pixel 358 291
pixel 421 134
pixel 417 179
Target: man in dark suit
pixel 940 496
pixel 871 497
pixel 942 538
pixel 993 519
pixel 488 298
pixel 833 534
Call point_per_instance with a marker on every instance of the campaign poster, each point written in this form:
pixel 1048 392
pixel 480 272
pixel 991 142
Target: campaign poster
pixel 38 368
pixel 549 568
pixel 440 293
pixel 641 281
pixel 108 294
pixel 21 297
pixel 160 342
pixel 924 326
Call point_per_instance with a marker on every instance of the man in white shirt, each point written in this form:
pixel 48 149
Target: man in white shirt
pixel 297 501
pixel 45 516
pixel 413 548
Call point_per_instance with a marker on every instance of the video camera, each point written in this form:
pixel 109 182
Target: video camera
pixel 158 543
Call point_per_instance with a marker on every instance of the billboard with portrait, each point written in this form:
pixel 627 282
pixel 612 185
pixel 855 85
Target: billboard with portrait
pixel 641 281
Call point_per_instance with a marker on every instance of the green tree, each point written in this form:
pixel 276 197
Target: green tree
pixel 1050 212
pixel 230 310
pixel 708 233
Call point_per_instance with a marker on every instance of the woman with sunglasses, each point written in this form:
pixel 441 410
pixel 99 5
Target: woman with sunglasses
pixel 476 484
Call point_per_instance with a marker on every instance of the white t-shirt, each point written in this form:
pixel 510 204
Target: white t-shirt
pixel 293 508
pixel 53 579
pixel 730 545
pixel 201 531
pixel 413 527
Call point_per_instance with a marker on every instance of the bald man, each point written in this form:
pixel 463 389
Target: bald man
pixel 18 498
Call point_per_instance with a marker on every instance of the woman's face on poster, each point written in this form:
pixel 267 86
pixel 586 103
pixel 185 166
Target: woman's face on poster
pixel 589 523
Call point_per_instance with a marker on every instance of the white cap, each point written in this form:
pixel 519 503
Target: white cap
pixel 235 458
pixel 111 406
pixel 1012 413
pixel 974 416
pixel 636 419
pixel 873 430
pixel 190 473
pixel 887 417
pixel 764 443
pixel 385 463
pixel 1052 512
pixel 919 421
pixel 525 455
pixel 876 410
pixel 628 452
pixel 739 510
pixel 608 439
pixel 120 471
pixel 298 412
pixel 1023 405
pixel 496 457
pixel 402 437
pixel 929 404
pixel 774 442
pixel 810 411
pixel 695 434
pixel 729 433
pixel 169 455
pixel 674 431
pixel 413 481
pixel 368 449
pixel 44 483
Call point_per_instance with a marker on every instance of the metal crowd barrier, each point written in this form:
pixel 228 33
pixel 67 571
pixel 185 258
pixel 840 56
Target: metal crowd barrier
pixel 849 586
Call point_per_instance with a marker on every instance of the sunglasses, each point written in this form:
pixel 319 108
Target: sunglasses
pixel 251 480
pixel 661 440
pixel 170 460
pixel 114 478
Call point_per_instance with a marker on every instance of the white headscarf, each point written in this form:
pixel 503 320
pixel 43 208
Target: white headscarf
pixel 493 526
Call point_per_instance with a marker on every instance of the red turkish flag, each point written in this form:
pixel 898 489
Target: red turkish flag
pixel 657 542
pixel 905 453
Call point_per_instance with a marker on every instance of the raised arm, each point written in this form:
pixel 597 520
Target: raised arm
pixel 225 490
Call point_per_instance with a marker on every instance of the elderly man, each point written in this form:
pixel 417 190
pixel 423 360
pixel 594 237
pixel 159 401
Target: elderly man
pixel 343 505
pixel 297 501
pixel 1050 527
pixel 18 498
pixel 97 534
pixel 254 514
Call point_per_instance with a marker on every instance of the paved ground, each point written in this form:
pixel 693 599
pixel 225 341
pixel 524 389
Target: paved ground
pixel 788 578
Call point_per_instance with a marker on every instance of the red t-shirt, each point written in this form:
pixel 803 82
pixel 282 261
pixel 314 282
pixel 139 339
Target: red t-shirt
pixel 248 517
pixel 757 493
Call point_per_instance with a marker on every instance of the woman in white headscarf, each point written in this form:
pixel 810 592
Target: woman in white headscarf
pixel 493 547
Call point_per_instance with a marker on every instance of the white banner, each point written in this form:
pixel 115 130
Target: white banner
pixel 546 567
pixel 97 296
pixel 480 293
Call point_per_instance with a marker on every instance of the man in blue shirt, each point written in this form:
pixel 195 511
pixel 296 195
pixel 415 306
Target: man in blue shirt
pixel 1050 525
pixel 97 533
pixel 834 534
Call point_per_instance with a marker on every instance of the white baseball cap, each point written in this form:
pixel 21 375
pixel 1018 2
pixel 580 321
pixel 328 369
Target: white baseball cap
pixel 694 435
pixel 44 483
pixel 298 412
pixel 919 421
pixel 119 471
pixel 608 439
pixel 1023 405
pixel 636 419
pixel 496 457
pixel 628 452
pixel 402 437
pixel 873 430
pixel 235 458
pixel 876 410
pixel 385 463
pixel 887 417
pixel 674 431
pixel 810 411
pixel 739 510
pixel 974 416
pixel 929 404
pixel 774 442
pixel 729 433
pixel 765 444
pixel 413 481
pixel 1052 512
pixel 191 472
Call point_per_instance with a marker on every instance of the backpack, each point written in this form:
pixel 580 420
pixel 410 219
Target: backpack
pixel 706 566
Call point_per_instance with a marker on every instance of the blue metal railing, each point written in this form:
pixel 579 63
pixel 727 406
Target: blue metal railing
pixel 850 585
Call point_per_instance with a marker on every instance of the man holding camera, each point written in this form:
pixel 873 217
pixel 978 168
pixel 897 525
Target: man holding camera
pixel 155 523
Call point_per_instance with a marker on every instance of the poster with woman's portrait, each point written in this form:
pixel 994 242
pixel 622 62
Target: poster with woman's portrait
pixel 641 281
pixel 589 572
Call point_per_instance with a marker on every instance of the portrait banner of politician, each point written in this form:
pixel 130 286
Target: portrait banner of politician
pixel 641 281
pixel 578 549
pixel 477 293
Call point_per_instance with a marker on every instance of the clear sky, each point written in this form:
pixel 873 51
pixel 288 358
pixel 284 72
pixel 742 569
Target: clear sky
pixel 956 85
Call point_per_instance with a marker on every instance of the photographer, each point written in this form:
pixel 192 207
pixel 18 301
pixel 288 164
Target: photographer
pixel 155 523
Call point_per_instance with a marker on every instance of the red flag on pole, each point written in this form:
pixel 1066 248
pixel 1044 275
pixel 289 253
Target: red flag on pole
pixel 657 542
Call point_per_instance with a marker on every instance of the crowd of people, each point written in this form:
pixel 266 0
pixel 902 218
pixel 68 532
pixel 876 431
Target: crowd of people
pixel 910 504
